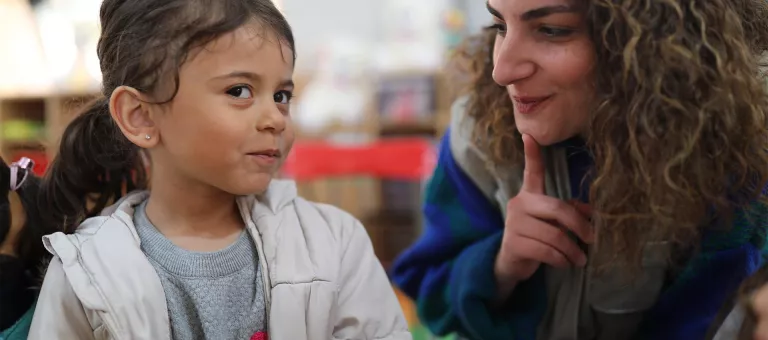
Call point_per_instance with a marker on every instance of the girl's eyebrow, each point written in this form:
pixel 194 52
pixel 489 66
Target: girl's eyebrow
pixel 254 77
pixel 241 74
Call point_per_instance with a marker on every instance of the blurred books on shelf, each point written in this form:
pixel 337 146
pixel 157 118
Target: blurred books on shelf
pixel 406 99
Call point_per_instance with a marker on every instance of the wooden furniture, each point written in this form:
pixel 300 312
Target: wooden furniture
pixel 33 124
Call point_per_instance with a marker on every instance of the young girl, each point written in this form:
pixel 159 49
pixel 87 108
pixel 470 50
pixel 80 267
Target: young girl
pixel 21 252
pixel 216 248
pixel 602 178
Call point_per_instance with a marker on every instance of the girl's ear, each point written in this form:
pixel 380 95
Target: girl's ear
pixel 132 114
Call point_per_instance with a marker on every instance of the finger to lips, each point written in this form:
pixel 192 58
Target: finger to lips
pixel 533 175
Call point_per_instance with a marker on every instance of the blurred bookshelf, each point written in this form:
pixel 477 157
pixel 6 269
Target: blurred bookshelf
pixel 31 126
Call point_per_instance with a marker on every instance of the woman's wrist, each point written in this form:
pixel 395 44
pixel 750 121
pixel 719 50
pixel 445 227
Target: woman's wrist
pixel 505 283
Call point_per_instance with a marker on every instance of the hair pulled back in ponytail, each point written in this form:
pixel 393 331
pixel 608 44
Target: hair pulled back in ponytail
pixel 143 44
pixel 95 165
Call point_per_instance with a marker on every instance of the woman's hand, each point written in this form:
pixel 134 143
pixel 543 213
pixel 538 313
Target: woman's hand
pixel 760 308
pixel 535 228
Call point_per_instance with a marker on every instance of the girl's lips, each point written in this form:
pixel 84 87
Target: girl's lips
pixel 267 157
pixel 528 105
pixel 264 160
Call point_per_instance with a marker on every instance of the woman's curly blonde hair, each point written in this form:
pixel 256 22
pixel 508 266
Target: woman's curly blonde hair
pixel 679 132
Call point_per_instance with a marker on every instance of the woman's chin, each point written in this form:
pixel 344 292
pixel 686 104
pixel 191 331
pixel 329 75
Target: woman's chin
pixel 541 138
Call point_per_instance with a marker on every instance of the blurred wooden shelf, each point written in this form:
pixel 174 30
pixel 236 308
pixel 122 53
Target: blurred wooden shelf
pixel 37 145
pixel 408 128
pixel 50 112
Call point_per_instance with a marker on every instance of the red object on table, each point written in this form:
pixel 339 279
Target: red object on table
pixel 389 158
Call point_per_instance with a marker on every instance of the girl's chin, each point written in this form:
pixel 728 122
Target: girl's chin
pixel 255 185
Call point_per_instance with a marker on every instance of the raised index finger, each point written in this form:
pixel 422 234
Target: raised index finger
pixel 533 175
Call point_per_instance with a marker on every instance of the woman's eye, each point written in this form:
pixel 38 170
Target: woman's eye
pixel 499 28
pixel 241 92
pixel 283 97
pixel 554 32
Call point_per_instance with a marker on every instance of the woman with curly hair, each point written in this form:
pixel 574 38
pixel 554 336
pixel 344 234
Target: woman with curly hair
pixel 603 176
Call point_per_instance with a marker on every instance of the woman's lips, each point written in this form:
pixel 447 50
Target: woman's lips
pixel 528 105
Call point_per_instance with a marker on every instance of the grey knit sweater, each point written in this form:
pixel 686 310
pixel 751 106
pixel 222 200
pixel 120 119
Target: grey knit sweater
pixel 217 295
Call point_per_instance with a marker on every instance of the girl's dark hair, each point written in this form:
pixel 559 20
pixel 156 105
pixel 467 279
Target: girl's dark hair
pixel 143 44
pixel 29 245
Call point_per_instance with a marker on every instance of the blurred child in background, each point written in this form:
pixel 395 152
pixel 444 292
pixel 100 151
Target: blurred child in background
pixel 21 248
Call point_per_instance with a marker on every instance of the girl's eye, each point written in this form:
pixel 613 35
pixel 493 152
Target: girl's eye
pixel 241 92
pixel 554 32
pixel 500 29
pixel 283 97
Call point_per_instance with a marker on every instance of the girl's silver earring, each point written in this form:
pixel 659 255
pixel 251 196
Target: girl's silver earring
pixel 147 137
